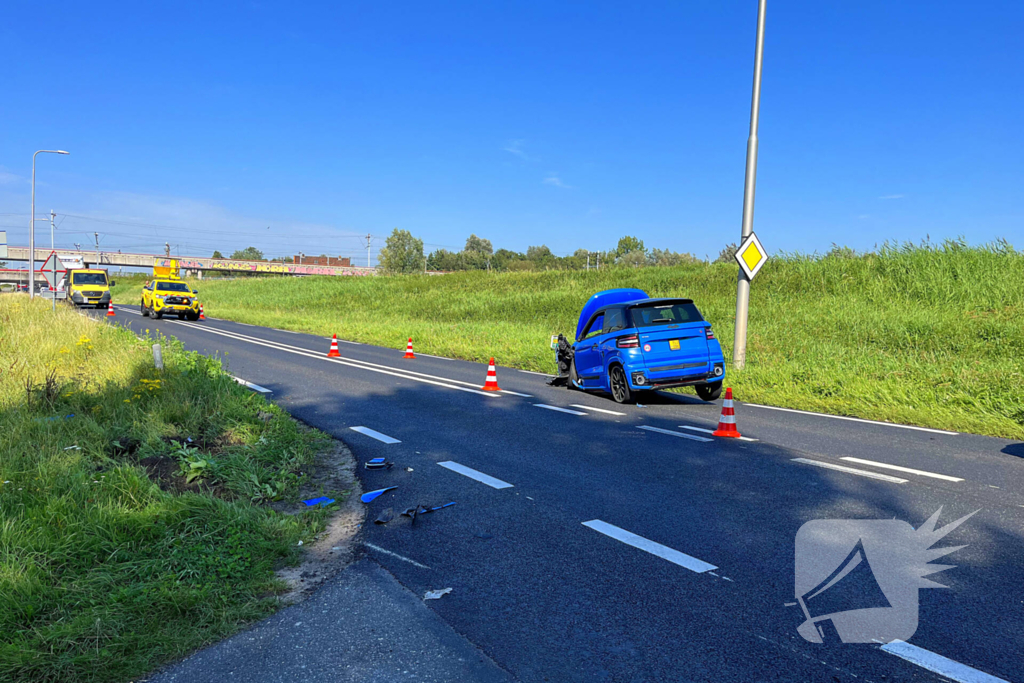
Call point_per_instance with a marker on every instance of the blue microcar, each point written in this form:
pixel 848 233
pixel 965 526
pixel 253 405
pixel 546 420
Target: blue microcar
pixel 627 342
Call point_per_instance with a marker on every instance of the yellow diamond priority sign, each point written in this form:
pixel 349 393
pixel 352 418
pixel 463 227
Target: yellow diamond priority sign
pixel 751 256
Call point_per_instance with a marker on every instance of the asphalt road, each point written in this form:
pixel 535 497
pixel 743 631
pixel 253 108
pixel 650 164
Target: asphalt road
pixel 589 548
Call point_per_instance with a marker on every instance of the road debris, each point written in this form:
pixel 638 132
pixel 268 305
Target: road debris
pixel 323 501
pixel 378 464
pixel 384 517
pixel 436 595
pixel 423 510
pixel 367 497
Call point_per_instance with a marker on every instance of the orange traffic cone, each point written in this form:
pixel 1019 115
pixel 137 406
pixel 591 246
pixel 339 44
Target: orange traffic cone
pixel 492 378
pixel 408 350
pixel 110 309
pixel 333 353
pixel 727 423
pixel 202 316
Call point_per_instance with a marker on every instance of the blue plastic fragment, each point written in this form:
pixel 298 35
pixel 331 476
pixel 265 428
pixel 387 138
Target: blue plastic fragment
pixel 323 500
pixel 367 497
pixel 376 460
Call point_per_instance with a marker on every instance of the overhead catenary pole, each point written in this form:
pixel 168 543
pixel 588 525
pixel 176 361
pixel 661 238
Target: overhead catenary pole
pixel 368 250
pixel 32 225
pixel 739 350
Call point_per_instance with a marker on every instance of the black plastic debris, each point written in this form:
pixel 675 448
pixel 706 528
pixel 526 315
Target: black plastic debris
pixel 564 354
pixel 423 510
pixel 384 517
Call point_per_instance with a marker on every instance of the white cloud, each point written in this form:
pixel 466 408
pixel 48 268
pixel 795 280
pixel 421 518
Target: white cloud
pixel 555 181
pixel 516 147
pixel 8 178
pixel 892 196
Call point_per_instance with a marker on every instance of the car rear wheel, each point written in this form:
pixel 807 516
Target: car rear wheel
pixel 709 392
pixel 144 310
pixel 620 387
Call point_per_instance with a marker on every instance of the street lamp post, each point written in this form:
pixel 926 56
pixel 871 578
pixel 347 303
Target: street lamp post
pixel 739 347
pixel 32 225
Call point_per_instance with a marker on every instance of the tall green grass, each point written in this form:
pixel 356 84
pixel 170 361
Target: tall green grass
pixel 104 575
pixel 925 334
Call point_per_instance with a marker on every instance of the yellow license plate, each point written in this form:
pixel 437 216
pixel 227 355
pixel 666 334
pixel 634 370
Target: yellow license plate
pixel 673 344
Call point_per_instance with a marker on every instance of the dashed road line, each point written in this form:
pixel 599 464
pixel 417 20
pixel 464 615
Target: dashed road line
pixel 853 419
pixel 851 470
pixel 475 474
pixel 908 470
pixel 374 434
pixel 400 557
pixel 681 435
pixel 711 431
pixel 561 410
pixel 937 663
pixel 662 551
pixel 254 387
pixel 597 410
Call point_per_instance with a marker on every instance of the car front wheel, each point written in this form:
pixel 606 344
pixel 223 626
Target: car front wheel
pixel 144 310
pixel 709 392
pixel 620 387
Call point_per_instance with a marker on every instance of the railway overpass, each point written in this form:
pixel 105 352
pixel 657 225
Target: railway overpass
pixel 188 263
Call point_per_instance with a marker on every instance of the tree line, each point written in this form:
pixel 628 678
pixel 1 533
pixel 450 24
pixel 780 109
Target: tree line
pixel 404 253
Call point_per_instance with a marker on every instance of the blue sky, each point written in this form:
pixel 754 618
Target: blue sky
pixel 299 127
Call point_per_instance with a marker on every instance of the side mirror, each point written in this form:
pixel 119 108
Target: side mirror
pixel 112 283
pixel 195 291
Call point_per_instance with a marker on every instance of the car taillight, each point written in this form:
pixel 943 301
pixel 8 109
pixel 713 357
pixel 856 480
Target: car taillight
pixel 630 341
pixel 709 333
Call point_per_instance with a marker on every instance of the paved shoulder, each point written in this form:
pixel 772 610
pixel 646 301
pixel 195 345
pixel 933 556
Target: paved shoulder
pixel 361 626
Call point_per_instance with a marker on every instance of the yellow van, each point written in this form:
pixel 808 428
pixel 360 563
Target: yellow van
pixel 88 287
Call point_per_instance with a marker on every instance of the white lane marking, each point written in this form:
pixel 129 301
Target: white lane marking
pixel 691 437
pixel 254 387
pixel 125 309
pixel 400 557
pixel 429 355
pixel 515 393
pixel 597 410
pixel 561 410
pixel 939 664
pixel 854 419
pixel 475 474
pixel 542 374
pixel 711 431
pixel 344 341
pixel 850 470
pixel 373 434
pixel 662 551
pixel 908 470
pixel 362 365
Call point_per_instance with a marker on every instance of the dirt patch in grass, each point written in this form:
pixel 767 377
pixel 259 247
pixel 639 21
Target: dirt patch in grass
pixel 333 475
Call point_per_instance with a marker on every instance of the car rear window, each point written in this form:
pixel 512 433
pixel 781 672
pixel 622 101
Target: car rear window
pixel 655 315
pixel 172 287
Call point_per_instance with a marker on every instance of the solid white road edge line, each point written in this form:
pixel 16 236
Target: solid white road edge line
pixel 515 393
pixel 939 664
pixel 125 309
pixel 662 551
pixel 596 410
pixel 400 557
pixel 254 387
pixel 374 434
pixel 908 470
pixel 712 431
pixel 561 410
pixel 475 474
pixel 854 419
pixel 850 470
pixel 430 355
pixel 691 437
pixel 373 367
pixel 542 374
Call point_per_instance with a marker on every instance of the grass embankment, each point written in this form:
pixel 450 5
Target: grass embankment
pixel 929 335
pixel 111 560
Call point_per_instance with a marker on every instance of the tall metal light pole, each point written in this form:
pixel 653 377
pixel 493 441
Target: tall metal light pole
pixel 32 225
pixel 739 348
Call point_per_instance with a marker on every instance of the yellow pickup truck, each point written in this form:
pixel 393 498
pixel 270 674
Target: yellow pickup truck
pixel 168 294
pixel 88 287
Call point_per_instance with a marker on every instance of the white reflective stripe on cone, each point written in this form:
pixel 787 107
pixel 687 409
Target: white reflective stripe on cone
pixel 727 420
